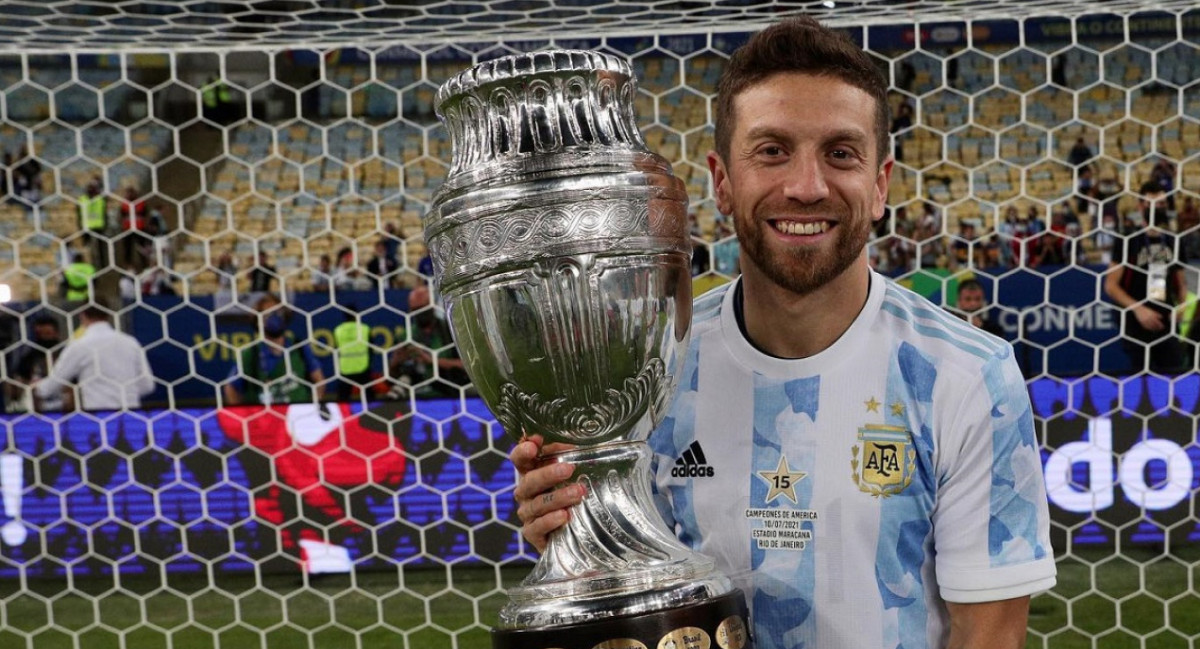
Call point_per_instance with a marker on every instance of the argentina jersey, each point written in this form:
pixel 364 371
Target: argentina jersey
pixel 850 493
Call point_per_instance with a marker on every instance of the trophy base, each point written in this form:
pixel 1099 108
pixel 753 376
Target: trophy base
pixel 718 623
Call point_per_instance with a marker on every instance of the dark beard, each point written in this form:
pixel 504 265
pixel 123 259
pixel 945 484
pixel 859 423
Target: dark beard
pixel 804 271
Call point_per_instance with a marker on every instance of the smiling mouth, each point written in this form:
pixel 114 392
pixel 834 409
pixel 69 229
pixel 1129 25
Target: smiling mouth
pixel 795 227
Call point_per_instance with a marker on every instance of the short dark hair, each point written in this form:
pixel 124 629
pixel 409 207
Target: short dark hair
pixel 970 285
pixel 93 312
pixel 45 321
pixel 800 44
pixel 1151 187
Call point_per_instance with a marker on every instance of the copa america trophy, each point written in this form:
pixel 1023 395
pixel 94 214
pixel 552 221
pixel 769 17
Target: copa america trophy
pixel 560 248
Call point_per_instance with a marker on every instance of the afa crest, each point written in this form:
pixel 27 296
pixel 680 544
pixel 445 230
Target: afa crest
pixel 884 460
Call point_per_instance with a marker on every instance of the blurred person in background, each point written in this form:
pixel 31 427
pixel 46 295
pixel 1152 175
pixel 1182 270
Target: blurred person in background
pixel 347 276
pixel 1147 282
pixel 27 180
pixel 107 368
pixel 382 267
pixel 30 363
pixel 322 275
pixel 352 339
pixel 272 370
pixel 1189 231
pixel 429 361
pixel 1080 154
pixel 262 273
pixel 93 221
pixel 77 279
pixel 971 305
pixel 133 226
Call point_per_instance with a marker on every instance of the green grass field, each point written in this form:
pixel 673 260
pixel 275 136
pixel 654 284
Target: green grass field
pixel 1139 599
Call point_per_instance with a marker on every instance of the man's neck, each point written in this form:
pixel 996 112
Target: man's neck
pixel 784 324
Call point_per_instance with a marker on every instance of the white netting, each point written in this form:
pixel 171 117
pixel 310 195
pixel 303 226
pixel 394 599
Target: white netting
pixel 303 129
pixel 199 24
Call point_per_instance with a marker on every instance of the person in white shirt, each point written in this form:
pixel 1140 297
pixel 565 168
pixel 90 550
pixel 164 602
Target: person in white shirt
pixel 893 441
pixel 105 368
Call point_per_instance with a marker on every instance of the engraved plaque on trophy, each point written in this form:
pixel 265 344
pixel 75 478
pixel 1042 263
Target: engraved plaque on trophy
pixel 560 248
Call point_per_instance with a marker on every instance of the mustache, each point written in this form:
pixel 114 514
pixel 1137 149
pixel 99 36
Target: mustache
pixel 824 210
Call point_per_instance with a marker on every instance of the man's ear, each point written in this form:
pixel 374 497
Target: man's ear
pixel 720 180
pixel 882 183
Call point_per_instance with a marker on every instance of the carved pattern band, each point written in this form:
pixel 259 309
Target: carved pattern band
pixel 524 235
pixel 522 412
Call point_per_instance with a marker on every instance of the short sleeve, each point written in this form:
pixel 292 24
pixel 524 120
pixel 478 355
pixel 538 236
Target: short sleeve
pixel 992 521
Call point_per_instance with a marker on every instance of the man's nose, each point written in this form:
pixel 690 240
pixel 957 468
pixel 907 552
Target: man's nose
pixel 805 180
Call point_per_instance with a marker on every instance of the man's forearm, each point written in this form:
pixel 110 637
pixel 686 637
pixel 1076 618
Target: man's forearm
pixel 995 625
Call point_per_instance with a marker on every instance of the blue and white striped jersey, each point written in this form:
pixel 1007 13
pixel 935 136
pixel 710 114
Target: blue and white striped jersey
pixel 851 493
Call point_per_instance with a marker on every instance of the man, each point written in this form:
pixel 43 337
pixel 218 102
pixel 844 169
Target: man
pixel 261 273
pixel 346 274
pixel 971 305
pixel 272 372
pixel 382 267
pixel 93 221
pixel 322 275
pixel 77 279
pixel 430 362
pixel 1080 154
pixel 108 367
pixel 353 340
pixel 899 436
pixel 1147 282
pixel 32 362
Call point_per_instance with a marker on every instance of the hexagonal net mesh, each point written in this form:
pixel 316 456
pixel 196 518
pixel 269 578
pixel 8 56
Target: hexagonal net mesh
pixel 212 174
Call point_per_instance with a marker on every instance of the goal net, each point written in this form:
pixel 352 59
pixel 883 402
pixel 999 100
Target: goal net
pixel 210 172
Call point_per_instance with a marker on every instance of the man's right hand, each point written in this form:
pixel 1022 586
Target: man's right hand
pixel 1150 319
pixel 542 499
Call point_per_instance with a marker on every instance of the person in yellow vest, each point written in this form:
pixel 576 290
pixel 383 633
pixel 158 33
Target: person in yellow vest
pixel 217 100
pixel 352 339
pixel 77 279
pixel 1189 328
pixel 93 221
pixel 1187 314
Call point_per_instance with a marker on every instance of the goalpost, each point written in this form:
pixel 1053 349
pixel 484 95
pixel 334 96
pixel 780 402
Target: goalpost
pixel 298 129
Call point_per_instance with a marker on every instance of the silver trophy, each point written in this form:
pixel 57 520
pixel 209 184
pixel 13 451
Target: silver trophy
pixel 560 248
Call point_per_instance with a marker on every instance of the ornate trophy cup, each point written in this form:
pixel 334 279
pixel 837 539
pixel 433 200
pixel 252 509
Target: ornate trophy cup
pixel 560 247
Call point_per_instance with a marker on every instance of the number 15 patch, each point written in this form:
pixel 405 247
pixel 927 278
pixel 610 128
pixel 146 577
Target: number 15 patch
pixel 782 481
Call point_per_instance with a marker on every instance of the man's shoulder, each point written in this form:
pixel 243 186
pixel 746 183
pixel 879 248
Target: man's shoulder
pixel 914 320
pixel 708 305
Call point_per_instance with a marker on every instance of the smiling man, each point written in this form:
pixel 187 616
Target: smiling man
pixel 871 477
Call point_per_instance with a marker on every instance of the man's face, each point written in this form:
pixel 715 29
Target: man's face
pixel 802 181
pixel 970 300
pixel 45 334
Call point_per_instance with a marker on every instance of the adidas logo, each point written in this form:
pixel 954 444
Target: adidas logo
pixel 692 464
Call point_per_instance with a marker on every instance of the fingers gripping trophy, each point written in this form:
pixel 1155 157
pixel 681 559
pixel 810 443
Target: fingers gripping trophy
pixel 560 247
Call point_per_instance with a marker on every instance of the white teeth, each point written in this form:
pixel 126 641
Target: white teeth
pixel 810 228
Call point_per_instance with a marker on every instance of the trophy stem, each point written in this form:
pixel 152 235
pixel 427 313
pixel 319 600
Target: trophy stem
pixel 615 556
